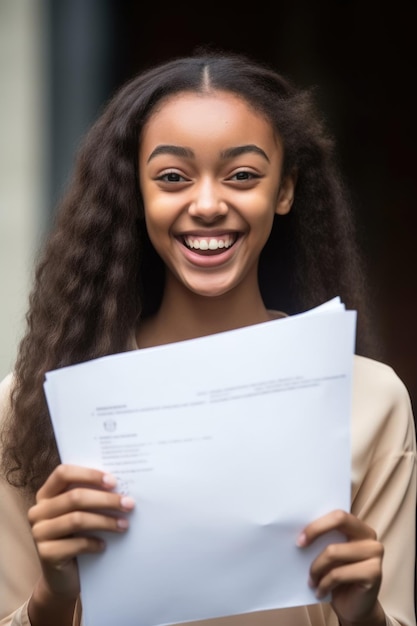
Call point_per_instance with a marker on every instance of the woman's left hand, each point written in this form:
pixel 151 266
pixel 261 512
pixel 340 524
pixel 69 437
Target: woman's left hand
pixel 350 571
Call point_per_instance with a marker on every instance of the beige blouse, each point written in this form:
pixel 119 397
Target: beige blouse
pixel 383 494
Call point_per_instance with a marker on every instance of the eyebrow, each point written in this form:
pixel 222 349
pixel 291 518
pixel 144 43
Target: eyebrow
pixel 169 149
pixel 230 153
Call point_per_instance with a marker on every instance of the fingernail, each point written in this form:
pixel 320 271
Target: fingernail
pixel 122 523
pixel 127 503
pixel 310 582
pixel 301 540
pixel 109 480
pixel 320 594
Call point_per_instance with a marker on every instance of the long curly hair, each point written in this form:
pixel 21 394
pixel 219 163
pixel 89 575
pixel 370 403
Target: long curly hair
pixel 98 275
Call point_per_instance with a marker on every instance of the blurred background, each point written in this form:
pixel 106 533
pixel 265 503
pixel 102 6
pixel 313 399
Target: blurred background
pixel 60 61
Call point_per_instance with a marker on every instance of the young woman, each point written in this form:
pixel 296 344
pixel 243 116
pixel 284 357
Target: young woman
pixel 205 198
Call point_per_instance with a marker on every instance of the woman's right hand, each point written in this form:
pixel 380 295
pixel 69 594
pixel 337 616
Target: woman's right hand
pixel 73 504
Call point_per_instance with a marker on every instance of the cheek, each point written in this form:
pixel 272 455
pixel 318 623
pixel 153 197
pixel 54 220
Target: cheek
pixel 260 214
pixel 159 228
pixel 160 208
pixel 158 216
pixel 155 226
pixel 260 204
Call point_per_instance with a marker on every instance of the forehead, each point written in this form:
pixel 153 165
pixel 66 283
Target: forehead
pixel 219 115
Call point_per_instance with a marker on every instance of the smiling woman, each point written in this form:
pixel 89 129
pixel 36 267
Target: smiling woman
pixel 205 198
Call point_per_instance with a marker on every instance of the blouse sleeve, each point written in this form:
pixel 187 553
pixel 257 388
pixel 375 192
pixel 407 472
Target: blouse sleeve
pixel 384 480
pixel 19 565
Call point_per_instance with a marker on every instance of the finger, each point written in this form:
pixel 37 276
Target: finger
pixel 63 476
pixel 340 554
pixel 366 575
pixel 77 522
pixel 346 523
pixel 59 553
pixel 79 499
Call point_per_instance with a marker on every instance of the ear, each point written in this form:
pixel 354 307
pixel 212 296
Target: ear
pixel 286 194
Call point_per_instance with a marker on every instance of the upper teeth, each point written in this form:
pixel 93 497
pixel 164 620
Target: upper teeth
pixel 204 243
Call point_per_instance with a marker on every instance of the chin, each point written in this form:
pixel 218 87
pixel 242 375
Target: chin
pixel 209 291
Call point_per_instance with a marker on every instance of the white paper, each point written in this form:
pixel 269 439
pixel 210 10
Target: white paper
pixel 230 444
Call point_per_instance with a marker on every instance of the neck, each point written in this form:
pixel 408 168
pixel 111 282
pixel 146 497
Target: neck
pixel 184 315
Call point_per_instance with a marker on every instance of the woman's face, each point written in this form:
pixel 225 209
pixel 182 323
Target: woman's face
pixel 209 170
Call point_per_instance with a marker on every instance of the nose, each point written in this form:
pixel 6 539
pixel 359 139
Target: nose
pixel 207 205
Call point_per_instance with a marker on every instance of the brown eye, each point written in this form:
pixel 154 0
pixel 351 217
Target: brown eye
pixel 171 177
pixel 244 175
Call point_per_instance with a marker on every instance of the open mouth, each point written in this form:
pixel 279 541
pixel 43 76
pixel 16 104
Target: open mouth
pixel 210 245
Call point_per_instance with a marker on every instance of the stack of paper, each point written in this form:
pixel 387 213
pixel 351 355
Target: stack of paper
pixel 230 444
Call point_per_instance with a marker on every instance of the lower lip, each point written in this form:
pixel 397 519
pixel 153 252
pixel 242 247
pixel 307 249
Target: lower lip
pixel 209 261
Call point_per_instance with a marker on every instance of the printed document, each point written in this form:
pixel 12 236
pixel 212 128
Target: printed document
pixel 230 444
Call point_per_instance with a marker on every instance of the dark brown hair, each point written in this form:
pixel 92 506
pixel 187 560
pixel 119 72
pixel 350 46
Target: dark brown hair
pixel 99 275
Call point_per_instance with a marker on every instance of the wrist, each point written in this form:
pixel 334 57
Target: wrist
pixel 375 618
pixel 48 608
